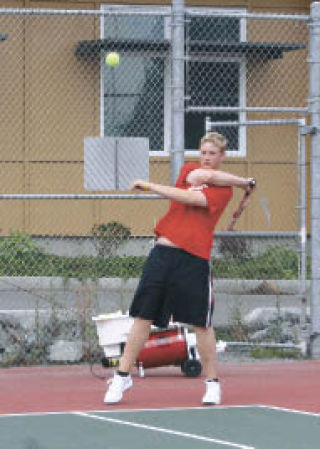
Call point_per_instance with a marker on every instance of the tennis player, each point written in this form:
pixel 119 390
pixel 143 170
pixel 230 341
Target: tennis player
pixel 176 280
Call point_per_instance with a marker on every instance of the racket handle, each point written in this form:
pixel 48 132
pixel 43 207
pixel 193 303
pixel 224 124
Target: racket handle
pixel 252 183
pixel 243 204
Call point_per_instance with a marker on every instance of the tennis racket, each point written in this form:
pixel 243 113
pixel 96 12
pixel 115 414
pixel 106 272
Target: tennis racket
pixel 242 205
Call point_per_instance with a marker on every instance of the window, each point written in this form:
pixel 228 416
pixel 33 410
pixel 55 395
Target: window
pixel 214 80
pixel 134 99
pixel 133 94
pixel 213 83
pixel 136 95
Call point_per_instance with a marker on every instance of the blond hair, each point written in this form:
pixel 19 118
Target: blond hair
pixel 217 139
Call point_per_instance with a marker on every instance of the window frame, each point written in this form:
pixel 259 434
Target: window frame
pixel 167 117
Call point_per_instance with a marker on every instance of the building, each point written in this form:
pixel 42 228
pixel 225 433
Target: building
pixel 56 90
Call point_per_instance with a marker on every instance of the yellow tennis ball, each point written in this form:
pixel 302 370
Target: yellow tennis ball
pixel 112 59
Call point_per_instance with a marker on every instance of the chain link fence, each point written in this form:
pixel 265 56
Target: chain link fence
pixel 72 242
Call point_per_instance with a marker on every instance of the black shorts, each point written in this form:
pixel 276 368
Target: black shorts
pixel 176 284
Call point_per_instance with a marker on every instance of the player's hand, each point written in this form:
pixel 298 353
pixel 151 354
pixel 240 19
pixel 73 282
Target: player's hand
pixel 250 185
pixel 139 184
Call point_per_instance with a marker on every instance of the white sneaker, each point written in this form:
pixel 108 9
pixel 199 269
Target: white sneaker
pixel 117 386
pixel 213 393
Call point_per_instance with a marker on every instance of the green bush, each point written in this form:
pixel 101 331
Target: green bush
pixel 275 353
pixel 18 244
pixel 79 267
pixel 18 252
pixel 276 262
pixel 20 256
pixel 235 248
pixel 107 237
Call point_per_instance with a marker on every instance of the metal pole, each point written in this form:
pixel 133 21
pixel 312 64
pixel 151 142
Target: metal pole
pixel 267 110
pixel 207 124
pixel 177 97
pixel 79 196
pixel 314 108
pixel 302 212
pixel 271 122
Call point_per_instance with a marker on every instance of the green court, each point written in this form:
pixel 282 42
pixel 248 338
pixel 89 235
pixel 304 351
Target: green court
pixel 243 427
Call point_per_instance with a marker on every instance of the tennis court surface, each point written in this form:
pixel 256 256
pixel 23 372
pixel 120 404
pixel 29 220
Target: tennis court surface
pixel 267 405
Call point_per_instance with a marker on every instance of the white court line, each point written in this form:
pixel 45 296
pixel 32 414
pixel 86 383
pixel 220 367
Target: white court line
pixel 173 409
pixel 14 415
pixel 289 410
pixel 133 410
pixel 163 430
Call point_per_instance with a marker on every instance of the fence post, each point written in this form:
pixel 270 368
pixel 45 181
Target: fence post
pixel 177 132
pixel 302 210
pixel 314 109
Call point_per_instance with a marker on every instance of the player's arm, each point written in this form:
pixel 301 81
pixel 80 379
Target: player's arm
pixel 190 197
pixel 220 178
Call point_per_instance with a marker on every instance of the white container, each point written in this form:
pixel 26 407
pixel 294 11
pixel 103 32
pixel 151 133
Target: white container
pixel 112 351
pixel 113 329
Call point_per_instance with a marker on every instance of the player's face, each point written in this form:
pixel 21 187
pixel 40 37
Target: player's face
pixel 210 155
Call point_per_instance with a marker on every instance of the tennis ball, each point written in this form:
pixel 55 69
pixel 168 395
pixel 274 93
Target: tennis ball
pixel 112 59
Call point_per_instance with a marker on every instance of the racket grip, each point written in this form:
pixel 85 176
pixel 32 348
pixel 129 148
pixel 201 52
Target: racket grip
pixel 251 185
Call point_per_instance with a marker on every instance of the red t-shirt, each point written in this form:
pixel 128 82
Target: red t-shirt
pixel 192 227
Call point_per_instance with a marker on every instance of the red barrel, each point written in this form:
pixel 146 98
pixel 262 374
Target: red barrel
pixel 167 347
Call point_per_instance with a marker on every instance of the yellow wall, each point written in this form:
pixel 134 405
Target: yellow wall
pixel 34 161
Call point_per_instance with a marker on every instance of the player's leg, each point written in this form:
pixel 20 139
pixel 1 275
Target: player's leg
pixel 206 345
pixel 121 380
pixel 138 336
pixel 193 303
pixel 145 309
